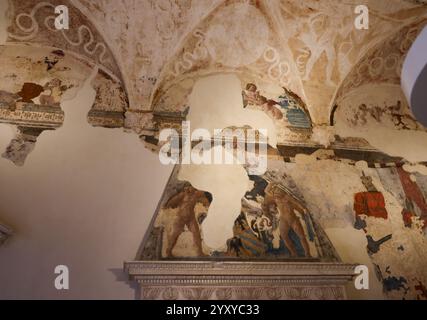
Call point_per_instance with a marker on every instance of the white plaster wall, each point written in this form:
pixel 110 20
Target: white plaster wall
pixel 216 103
pixel 83 199
pixel 227 184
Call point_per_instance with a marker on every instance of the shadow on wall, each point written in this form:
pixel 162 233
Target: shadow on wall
pixel 83 199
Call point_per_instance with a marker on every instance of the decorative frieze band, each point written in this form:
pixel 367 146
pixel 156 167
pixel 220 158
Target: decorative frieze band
pixel 244 293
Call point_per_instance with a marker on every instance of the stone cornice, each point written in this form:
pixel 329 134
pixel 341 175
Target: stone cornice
pixel 195 280
pixel 141 269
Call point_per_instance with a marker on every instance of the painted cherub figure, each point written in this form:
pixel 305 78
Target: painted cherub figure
pixel 253 97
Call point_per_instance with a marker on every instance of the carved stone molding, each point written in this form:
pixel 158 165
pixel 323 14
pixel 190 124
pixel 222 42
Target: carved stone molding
pixel 33 116
pixel 197 280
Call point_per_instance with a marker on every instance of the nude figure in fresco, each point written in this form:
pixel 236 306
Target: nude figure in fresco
pixel 185 201
pixel 319 35
pixel 285 204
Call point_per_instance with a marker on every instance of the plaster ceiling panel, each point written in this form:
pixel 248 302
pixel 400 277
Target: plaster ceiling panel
pixel 32 23
pixel 161 48
pixel 325 43
pixel 144 35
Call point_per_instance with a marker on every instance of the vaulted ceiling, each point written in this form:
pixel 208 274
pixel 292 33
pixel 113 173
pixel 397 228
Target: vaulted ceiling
pixel 151 52
pixel 310 47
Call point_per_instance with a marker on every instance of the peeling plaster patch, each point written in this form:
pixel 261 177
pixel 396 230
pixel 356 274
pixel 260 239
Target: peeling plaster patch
pixel 34 83
pixel 227 184
pixel 216 103
pixel 27 65
pixel 22 145
pixel 7 132
pixel 4 21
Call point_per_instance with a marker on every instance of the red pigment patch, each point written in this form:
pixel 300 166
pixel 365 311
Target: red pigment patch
pixel 30 91
pixel 371 204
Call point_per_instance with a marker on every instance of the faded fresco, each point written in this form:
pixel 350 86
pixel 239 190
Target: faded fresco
pixel 36 82
pixel 350 155
pixel 285 212
pixel 274 223
pixel 395 227
pixel 286 109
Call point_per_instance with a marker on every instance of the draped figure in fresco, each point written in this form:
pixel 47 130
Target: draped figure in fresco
pixel 277 199
pixel 415 203
pixel 371 202
pixel 185 201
